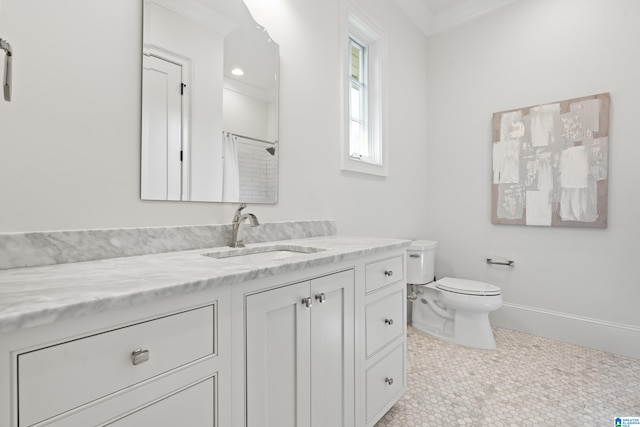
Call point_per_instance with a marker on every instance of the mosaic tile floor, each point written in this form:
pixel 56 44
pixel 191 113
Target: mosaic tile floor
pixel 527 381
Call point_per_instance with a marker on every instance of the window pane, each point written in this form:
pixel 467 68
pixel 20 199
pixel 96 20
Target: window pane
pixel 355 137
pixel 355 61
pixel 358 134
pixel 355 101
pixel 358 144
pixel 356 66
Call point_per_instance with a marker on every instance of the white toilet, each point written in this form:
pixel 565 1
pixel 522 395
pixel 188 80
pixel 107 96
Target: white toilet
pixel 455 310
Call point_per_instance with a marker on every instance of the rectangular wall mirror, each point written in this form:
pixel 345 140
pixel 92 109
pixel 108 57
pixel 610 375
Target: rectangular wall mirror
pixel 210 83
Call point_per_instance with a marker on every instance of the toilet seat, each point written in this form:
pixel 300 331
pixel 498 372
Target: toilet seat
pixel 467 287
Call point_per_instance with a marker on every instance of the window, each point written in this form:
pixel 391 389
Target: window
pixel 364 145
pixel 358 130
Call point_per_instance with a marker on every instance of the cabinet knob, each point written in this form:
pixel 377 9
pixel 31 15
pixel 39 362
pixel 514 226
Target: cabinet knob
pixel 388 321
pixel 308 302
pixel 321 298
pixel 388 273
pixel 388 380
pixel 139 356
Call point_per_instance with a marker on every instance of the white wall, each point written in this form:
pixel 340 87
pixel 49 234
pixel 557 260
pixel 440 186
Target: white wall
pixel 575 284
pixel 245 115
pixel 70 140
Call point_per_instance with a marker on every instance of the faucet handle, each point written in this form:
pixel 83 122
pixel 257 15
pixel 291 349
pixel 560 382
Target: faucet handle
pixel 238 214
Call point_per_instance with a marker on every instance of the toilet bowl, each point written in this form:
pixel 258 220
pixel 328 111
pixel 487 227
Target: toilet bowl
pixel 452 309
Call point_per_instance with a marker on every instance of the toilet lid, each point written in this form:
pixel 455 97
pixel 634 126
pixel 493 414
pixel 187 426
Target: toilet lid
pixel 422 245
pixel 468 287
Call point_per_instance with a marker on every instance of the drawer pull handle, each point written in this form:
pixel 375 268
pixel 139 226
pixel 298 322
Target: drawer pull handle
pixel 139 356
pixel 388 321
pixel 308 302
pixel 388 273
pixel 321 298
pixel 388 380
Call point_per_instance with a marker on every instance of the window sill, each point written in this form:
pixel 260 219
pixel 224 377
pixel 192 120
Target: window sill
pixel 360 166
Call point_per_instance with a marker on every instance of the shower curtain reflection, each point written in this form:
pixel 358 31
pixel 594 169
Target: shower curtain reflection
pixel 231 171
pixel 254 162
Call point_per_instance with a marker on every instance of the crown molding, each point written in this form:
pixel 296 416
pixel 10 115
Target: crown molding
pixel 430 23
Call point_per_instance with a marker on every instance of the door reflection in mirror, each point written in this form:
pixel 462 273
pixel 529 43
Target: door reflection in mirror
pixel 161 129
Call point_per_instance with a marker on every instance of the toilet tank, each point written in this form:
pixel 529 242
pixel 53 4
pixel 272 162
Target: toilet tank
pixel 420 262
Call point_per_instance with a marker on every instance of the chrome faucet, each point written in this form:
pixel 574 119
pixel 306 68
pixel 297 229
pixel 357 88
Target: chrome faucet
pixel 239 220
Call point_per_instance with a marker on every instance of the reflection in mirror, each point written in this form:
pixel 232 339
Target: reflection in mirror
pixel 209 103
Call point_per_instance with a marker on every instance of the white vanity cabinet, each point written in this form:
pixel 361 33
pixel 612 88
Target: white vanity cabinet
pixel 315 340
pixel 323 347
pixel 191 405
pixel 160 364
pixel 299 350
pixel 385 329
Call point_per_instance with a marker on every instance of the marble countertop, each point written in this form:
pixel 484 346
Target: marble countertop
pixel 35 296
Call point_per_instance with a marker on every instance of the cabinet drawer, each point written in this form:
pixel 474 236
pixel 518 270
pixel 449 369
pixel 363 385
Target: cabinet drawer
pixel 193 406
pixel 55 379
pixel 383 273
pixel 384 320
pixel 385 380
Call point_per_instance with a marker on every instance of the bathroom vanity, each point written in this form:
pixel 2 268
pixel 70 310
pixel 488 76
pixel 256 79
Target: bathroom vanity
pixel 304 331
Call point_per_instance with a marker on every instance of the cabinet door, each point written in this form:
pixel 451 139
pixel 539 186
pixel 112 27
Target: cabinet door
pixel 332 351
pixel 193 406
pixel 278 357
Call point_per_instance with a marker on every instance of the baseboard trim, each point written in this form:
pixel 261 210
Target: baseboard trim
pixel 617 338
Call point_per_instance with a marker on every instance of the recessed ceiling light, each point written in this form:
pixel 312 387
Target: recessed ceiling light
pixel 237 72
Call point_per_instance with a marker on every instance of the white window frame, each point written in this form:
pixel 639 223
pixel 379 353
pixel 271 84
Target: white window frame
pixel 360 27
pixel 362 149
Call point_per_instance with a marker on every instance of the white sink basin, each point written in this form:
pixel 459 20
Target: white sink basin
pixel 262 254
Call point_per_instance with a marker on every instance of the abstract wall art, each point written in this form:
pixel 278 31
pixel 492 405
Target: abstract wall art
pixel 550 164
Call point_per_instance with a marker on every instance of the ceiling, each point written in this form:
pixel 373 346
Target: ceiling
pixel 434 16
pixel 438 6
pixel 246 44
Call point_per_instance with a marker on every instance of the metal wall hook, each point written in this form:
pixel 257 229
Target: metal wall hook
pixel 4 45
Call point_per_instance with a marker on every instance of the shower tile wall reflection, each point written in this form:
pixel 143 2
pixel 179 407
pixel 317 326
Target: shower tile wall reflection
pixel 258 169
